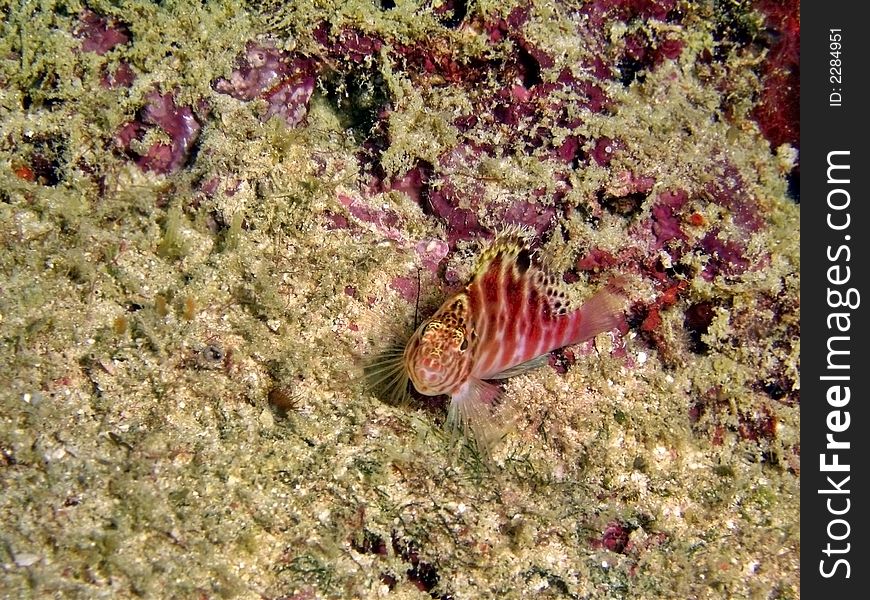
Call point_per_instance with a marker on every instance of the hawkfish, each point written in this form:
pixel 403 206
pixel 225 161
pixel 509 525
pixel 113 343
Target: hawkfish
pixel 505 321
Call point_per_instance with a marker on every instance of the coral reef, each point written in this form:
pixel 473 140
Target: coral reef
pixel 213 215
pixel 178 123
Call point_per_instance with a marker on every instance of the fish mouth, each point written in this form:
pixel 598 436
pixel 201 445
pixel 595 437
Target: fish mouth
pixel 431 377
pixel 427 380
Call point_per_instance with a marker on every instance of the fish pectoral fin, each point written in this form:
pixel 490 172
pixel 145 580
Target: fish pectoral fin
pixel 523 367
pixel 471 413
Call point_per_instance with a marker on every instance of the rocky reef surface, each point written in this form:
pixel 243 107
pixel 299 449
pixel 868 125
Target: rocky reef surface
pixel 213 214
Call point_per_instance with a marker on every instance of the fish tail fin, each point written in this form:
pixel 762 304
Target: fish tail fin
pixel 604 311
pixel 472 413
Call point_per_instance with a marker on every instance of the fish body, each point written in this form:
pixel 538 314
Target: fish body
pixel 504 322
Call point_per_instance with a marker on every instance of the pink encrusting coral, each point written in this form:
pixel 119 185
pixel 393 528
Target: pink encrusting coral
pixel 459 211
pixel 347 44
pixel 285 81
pixel 260 69
pixel 666 221
pixel 384 220
pixel 726 256
pixel 177 122
pixel 602 11
pixel 778 110
pixel 99 33
pixel 526 110
pixel 730 192
pixel 430 255
pixel 120 76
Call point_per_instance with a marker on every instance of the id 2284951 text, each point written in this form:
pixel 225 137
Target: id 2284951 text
pixel 835 67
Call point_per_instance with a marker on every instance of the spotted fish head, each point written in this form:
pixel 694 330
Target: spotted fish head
pixel 438 355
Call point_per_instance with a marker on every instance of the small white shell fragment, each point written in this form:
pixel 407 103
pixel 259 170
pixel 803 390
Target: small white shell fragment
pixel 26 559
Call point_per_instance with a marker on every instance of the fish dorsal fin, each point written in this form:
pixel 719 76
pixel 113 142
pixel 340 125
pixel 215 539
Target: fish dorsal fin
pixel 555 291
pixel 511 247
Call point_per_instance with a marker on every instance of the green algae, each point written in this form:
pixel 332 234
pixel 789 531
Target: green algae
pixel 133 466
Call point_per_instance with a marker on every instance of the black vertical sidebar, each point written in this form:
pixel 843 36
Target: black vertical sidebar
pixel 835 260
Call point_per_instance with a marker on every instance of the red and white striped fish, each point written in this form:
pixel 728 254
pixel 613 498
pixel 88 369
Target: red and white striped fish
pixel 505 322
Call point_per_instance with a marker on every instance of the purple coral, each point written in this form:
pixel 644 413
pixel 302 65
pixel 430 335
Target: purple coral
pixel 347 44
pixel 625 10
pixel 665 217
pixel 414 183
pixel 604 149
pixel 284 81
pixel 778 111
pixel 431 253
pixel 385 220
pixel 615 537
pixel 122 76
pixel 178 122
pixel 571 149
pixel 529 214
pixel 730 192
pixel 99 34
pixel 258 70
pixel 595 260
pixel 727 256
pixel 289 100
pixel 407 286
